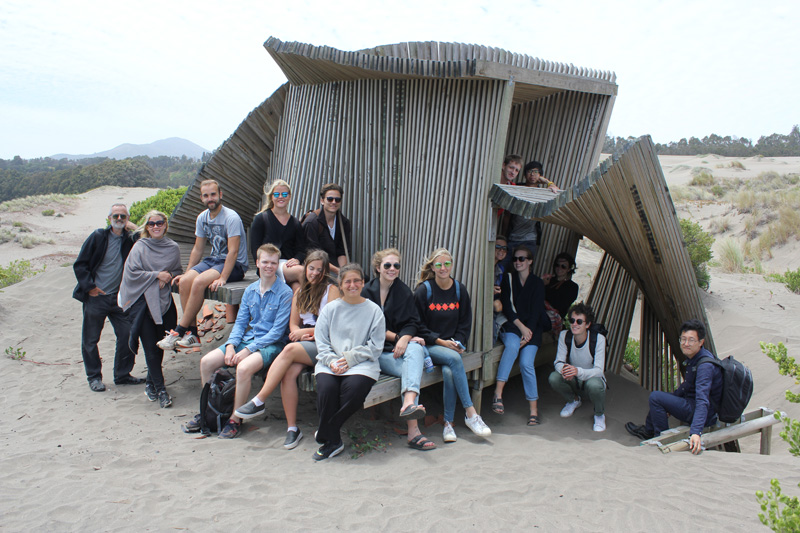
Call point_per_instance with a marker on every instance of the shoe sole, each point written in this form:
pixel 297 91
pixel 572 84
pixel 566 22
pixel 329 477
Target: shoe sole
pixel 293 445
pixel 334 453
pixel 245 416
pixel 450 439
pixel 166 346
pixel 151 398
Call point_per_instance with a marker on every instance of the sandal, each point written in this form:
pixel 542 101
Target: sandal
pixel 533 420
pixel 497 405
pixel 413 412
pixel 421 443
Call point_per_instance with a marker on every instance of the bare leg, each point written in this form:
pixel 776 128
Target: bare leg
pixel 291 354
pixel 408 400
pixel 209 364
pixel 289 394
pixel 244 374
pixel 196 296
pixel 498 389
pixel 534 405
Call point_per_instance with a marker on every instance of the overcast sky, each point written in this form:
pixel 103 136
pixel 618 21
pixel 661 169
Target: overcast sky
pixel 82 76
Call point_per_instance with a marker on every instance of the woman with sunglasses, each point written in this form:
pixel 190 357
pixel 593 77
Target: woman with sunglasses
pixel 500 253
pixel 274 225
pixel 446 312
pixel 522 295
pixel 349 335
pixel 403 355
pixel 559 290
pixel 314 294
pixel 145 289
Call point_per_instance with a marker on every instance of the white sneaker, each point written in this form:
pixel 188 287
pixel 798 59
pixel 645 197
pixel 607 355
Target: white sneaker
pixel 478 426
pixel 449 434
pixel 189 340
pixel 599 423
pixel 168 342
pixel 570 408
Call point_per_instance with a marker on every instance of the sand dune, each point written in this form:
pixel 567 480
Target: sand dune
pixel 78 460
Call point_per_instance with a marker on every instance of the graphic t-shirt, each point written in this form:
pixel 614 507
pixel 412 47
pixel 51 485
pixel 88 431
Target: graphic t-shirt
pixel 226 224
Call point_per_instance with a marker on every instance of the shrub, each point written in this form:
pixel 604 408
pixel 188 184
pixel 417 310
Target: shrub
pixel 731 255
pixel 698 246
pixel 791 278
pixel 15 272
pixel 49 212
pixel 702 178
pixel 633 353
pixel 720 225
pixel 165 201
pixel 737 164
pixel 6 235
pixel 29 241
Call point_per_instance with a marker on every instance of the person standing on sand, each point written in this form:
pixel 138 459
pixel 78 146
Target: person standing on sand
pixel 696 400
pixel 98 270
pixel 228 262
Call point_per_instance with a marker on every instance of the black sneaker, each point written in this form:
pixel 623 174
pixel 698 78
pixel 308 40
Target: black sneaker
pixel 150 392
pixel 192 426
pixel 164 399
pixel 639 432
pixel 129 380
pixel 292 439
pixel 249 410
pixel 326 451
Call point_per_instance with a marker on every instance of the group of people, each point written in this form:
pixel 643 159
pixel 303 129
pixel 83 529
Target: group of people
pixel 311 307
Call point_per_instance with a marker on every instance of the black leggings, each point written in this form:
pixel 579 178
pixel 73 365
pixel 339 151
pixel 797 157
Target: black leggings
pixel 339 398
pixel 150 333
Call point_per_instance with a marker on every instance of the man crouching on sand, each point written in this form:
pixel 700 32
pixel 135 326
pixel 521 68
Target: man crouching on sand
pixel 257 337
pixel 696 400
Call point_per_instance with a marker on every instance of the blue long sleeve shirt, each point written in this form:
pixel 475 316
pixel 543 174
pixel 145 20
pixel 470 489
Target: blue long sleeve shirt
pixel 263 318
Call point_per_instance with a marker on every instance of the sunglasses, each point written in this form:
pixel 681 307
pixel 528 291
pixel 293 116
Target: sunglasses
pixel 119 217
pixel 521 258
pixel 501 247
pixel 156 223
pixel 578 321
pixel 280 194
pixel 387 266
pixel 446 264
pixel 334 199
pixel 560 265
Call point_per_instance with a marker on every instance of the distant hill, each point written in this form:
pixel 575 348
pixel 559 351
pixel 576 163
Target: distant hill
pixel 172 147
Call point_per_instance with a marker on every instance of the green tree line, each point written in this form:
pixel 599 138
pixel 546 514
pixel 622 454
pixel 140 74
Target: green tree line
pixel 774 145
pixel 29 177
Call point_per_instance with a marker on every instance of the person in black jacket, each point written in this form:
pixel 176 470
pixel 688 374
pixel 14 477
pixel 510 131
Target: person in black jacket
pixel 328 229
pixel 98 270
pixel 275 225
pixel 559 290
pixel 522 294
pixel 402 354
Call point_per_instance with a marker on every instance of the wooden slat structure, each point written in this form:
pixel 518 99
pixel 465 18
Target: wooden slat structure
pixel 624 206
pixel 416 133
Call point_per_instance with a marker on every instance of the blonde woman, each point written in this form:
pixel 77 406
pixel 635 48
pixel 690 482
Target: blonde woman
pixel 446 313
pixel 273 224
pixel 145 289
pixel 314 294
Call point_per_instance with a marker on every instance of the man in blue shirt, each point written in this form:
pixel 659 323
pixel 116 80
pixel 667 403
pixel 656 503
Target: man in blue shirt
pixel 695 401
pixel 257 337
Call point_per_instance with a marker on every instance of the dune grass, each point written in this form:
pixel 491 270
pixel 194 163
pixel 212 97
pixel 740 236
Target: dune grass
pixel 731 255
pixel 23 204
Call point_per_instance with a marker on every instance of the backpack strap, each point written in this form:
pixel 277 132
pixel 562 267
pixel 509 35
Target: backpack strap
pixel 592 343
pixel 204 429
pixel 429 291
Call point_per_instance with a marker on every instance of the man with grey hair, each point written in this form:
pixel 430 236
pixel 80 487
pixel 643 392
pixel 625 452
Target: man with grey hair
pixel 98 270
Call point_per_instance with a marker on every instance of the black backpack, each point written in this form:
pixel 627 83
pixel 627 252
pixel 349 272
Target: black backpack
pixel 737 387
pixel 216 401
pixel 594 330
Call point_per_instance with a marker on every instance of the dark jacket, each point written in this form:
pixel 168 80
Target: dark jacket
pixel 91 256
pixel 399 310
pixel 703 385
pixel 561 294
pixel 443 316
pixel 318 237
pixel 528 304
pixel 290 239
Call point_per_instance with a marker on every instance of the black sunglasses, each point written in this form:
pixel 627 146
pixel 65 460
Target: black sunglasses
pixel 578 321
pixel 387 266
pixel 156 223
pixel 501 247
pixel 116 216
pixel 334 199
pixel 521 258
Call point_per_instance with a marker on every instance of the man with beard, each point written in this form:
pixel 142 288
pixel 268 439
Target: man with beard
pixel 98 270
pixel 227 262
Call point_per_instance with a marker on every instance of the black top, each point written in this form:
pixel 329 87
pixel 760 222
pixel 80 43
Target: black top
pixel 398 310
pixel 444 316
pixel 561 294
pixel 528 304
pixel 318 236
pixel 290 239
pixel 91 256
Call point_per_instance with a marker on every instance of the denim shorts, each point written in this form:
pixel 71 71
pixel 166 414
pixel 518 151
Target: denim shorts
pixel 215 263
pixel 268 354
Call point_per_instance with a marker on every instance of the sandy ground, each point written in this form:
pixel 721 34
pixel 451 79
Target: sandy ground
pixel 75 460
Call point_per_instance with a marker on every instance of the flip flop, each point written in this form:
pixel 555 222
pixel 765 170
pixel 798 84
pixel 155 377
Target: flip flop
pixel 423 446
pixel 534 420
pixel 497 405
pixel 413 412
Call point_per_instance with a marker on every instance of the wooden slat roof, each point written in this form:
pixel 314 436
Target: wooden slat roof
pixel 534 78
pixel 624 206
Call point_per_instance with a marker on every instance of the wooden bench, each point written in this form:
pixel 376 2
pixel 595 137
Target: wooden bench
pixel 758 421
pixel 230 293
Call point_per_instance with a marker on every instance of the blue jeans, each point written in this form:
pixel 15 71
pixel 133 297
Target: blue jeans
pixel 454 378
pixel 527 356
pixel 408 367
pixel 663 403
